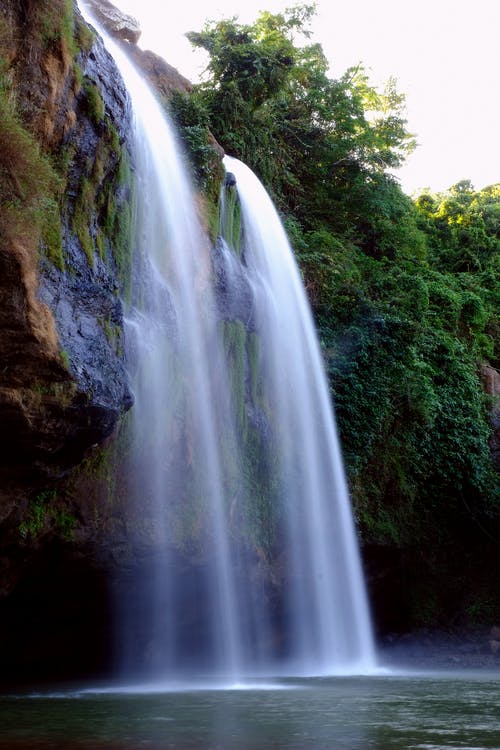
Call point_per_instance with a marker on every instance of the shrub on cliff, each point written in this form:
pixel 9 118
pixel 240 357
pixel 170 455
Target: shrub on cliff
pixel 28 183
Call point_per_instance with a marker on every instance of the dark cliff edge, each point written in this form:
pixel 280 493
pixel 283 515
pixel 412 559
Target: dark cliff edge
pixel 65 254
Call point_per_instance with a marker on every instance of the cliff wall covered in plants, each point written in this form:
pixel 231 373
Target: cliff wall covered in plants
pixel 65 209
pixel 405 295
pixel 66 206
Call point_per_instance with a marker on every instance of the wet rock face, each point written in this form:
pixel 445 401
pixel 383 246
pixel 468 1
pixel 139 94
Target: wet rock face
pixel 63 380
pixel 63 383
pixel 85 297
pixel 233 291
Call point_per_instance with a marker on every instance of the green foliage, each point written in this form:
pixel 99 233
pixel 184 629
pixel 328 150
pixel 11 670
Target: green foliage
pixel 99 220
pixel 65 358
pixel 403 362
pixel 84 35
pixel 47 515
pixel 56 22
pixel 94 101
pixel 113 334
pixel 191 120
pixel 253 349
pixel 463 226
pixel 190 116
pixel 405 293
pixel 82 218
pixel 230 220
pixel 314 141
pixel 258 480
pixel 51 234
pixel 120 222
pixel 250 460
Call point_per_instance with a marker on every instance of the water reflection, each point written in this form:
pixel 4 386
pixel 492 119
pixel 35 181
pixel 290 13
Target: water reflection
pixel 385 713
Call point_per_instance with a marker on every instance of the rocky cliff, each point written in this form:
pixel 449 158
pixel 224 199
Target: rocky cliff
pixel 65 249
pixel 491 383
pixel 64 197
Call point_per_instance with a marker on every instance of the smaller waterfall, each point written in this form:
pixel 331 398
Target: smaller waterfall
pixel 326 604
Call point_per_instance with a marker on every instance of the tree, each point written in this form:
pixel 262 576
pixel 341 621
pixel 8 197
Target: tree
pixel 309 137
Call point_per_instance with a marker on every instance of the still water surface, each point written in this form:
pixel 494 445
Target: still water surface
pixel 426 712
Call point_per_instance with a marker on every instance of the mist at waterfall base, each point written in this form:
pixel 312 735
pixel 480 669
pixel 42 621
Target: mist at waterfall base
pixel 238 504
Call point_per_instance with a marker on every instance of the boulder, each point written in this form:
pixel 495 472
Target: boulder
pixel 118 24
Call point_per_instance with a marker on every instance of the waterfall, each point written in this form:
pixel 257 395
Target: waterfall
pixel 238 506
pixel 176 496
pixel 330 629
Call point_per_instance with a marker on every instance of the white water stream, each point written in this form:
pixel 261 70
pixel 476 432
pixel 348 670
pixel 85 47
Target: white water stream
pixel 238 494
pixel 330 623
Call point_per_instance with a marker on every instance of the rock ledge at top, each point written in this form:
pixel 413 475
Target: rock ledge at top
pixel 164 78
pixel 117 23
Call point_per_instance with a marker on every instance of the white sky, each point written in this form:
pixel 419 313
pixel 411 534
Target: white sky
pixel 445 55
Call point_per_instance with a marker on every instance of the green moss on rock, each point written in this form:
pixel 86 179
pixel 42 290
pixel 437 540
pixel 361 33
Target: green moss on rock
pixel 29 185
pixel 253 350
pixel 94 101
pixel 230 220
pixel 82 218
pixel 47 515
pixel 235 336
pixel 56 22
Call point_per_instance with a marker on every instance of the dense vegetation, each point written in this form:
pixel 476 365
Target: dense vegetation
pixel 405 293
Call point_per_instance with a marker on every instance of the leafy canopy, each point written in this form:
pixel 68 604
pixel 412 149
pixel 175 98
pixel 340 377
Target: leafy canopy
pixel 272 104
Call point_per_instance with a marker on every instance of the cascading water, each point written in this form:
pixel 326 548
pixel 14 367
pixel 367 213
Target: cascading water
pixel 324 591
pixel 237 499
pixel 184 618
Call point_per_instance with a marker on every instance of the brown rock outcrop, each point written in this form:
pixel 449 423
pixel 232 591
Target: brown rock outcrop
pixel 118 24
pixel 164 78
pixel 63 385
pixel 491 383
pixel 41 73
